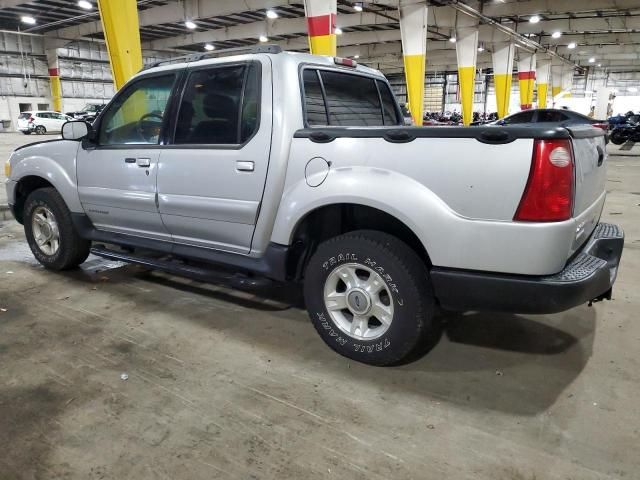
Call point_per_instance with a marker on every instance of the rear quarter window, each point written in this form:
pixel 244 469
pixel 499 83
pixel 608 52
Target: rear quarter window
pixel 343 99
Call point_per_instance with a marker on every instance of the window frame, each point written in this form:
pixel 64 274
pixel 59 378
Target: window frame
pixel 349 71
pixel 178 74
pixel 171 134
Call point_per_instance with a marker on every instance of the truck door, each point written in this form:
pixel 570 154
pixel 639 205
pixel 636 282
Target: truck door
pixel 212 175
pixel 117 173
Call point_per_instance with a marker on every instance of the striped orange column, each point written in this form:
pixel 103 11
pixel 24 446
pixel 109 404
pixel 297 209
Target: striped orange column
pixel 503 75
pixel 467 54
pixel 526 79
pixel 542 81
pixel 321 26
pixel 54 79
pixel 413 32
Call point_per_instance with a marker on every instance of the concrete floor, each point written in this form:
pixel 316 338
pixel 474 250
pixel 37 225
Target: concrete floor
pixel 223 384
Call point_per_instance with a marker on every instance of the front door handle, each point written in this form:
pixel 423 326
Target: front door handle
pixel 245 166
pixel 143 162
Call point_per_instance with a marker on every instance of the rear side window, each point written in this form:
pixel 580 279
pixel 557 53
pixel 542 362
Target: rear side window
pixel 551 116
pixel 343 99
pixel 24 115
pixel 220 106
pixel 524 117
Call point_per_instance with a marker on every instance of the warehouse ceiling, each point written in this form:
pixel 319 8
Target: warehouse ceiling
pixel 596 33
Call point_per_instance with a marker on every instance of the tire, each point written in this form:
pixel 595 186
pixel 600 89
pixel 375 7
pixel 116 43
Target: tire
pixel 26 133
pixel 617 138
pixel 40 130
pixel 71 250
pixel 405 298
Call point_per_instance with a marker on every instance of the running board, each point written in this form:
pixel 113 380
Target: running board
pixel 174 267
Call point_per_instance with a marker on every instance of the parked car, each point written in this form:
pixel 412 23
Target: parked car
pixel 88 113
pixel 297 168
pixel 41 122
pixel 559 117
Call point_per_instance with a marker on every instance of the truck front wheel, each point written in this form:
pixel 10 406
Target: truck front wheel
pixel 370 298
pixel 50 232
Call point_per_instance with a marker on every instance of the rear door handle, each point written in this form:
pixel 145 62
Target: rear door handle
pixel 143 162
pixel 245 166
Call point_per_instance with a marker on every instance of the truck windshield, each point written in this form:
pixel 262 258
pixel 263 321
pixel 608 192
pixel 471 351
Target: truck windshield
pixel 343 99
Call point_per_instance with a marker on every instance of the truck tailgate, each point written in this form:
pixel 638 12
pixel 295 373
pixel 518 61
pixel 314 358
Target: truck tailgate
pixel 589 149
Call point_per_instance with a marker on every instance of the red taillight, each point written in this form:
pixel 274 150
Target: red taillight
pixel 603 126
pixel 548 196
pixel 30 119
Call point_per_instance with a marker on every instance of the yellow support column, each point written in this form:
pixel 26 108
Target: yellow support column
pixel 122 35
pixel 413 32
pixel 467 53
pixel 321 26
pixel 54 79
pixel 526 79
pixel 503 76
pixel 542 80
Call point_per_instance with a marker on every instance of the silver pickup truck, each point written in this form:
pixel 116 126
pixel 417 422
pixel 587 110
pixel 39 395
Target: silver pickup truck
pixel 288 167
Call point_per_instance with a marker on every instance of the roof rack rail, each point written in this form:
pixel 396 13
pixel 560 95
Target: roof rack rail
pixel 194 57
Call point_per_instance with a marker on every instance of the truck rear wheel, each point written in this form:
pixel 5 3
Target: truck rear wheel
pixel 50 231
pixel 370 298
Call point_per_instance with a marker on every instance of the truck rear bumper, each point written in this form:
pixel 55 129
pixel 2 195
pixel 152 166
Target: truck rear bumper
pixel 588 276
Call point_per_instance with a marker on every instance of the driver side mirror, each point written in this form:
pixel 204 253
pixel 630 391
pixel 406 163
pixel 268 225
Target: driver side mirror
pixel 75 130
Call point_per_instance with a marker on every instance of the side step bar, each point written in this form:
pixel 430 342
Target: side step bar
pixel 201 273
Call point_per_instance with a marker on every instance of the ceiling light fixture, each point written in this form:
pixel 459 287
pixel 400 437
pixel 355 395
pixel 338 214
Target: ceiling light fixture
pixel 263 38
pixel 632 89
pixel 29 20
pixel 481 48
pixel 534 19
pixel 556 34
pixel 84 4
pixel 453 39
pixel 572 45
pixel 272 14
pixel 356 56
pixel 357 6
pixel 592 60
pixel 209 47
pixel 190 25
pixel 338 31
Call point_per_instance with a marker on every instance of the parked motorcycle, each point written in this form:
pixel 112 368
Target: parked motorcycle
pixel 625 133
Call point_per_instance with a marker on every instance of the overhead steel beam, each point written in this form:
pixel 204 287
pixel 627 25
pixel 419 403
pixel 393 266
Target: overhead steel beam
pixel 283 26
pixel 175 12
pixel 529 7
pixel 622 23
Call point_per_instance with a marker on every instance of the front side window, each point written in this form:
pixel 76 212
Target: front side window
pixel 136 116
pixel 344 99
pixel 220 105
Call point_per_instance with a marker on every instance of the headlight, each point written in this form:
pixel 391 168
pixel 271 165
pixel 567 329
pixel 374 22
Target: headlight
pixel 7 169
